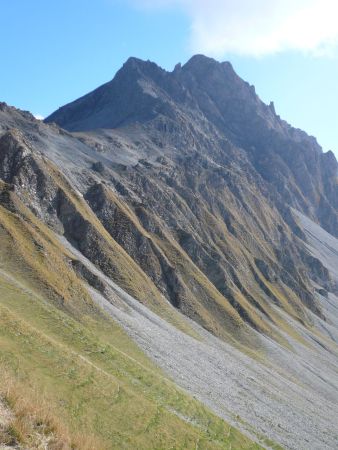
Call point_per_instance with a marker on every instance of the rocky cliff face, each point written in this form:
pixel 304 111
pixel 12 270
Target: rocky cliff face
pixel 187 180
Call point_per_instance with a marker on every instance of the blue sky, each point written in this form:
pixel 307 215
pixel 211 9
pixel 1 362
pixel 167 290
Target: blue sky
pixel 55 51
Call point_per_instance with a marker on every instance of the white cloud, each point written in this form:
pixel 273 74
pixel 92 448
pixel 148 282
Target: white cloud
pixel 38 116
pixel 258 27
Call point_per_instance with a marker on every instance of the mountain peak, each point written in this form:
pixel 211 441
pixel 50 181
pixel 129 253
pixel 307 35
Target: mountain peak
pixel 200 59
pixel 142 90
pixel 201 63
pixel 144 67
pixel 127 98
pixel 133 62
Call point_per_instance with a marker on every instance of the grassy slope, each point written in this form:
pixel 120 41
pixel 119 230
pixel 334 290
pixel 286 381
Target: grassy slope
pixel 93 378
pixel 103 386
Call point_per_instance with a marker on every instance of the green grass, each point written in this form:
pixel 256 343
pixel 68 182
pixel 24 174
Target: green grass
pixel 99 382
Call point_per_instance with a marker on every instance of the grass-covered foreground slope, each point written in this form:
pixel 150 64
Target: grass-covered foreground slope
pixel 92 381
pixel 71 378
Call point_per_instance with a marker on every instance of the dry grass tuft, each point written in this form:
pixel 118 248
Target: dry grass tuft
pixel 27 419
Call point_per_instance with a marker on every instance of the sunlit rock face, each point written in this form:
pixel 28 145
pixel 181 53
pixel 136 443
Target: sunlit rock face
pixel 194 178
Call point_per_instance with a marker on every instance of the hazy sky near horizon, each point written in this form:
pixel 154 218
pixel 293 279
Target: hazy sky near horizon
pixel 52 52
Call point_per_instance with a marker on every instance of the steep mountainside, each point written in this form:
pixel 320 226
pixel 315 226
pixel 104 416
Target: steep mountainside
pixel 184 192
pixel 209 174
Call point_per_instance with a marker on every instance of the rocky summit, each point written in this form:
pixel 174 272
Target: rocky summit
pixel 181 210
